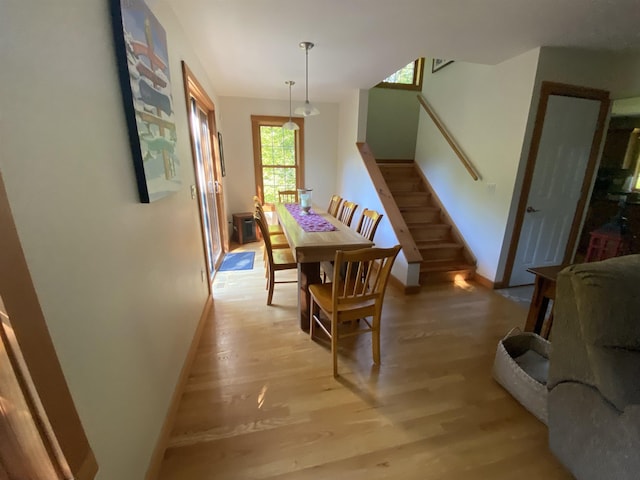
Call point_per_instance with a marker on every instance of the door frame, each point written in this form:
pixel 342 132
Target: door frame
pixel 546 90
pixel 192 87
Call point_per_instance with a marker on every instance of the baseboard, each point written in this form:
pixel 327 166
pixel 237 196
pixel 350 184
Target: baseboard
pixel 163 438
pixel 484 281
pixel 406 289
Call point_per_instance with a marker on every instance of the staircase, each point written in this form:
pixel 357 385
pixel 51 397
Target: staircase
pixel 444 254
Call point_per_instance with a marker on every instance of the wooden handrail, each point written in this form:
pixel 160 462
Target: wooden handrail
pixel 463 158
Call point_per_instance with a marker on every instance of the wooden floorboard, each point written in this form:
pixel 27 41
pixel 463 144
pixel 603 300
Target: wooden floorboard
pixel 261 401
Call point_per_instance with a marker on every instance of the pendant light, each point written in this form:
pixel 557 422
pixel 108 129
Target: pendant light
pixel 307 109
pixel 290 125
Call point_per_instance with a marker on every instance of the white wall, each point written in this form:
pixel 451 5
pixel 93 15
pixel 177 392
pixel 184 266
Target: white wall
pixel 485 108
pixel 118 281
pixel 321 146
pixel 392 123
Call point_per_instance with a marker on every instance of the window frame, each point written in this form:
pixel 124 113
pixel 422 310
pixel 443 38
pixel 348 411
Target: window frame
pixel 258 121
pixel 418 76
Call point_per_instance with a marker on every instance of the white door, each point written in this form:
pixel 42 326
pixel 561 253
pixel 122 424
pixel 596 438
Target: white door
pixel 564 149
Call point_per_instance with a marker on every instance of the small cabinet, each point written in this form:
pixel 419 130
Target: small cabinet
pixel 244 227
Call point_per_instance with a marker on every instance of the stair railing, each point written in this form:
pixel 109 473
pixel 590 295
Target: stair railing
pixel 447 136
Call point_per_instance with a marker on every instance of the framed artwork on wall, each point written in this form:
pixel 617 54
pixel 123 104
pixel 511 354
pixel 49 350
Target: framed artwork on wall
pixel 439 63
pixel 223 170
pixel 143 67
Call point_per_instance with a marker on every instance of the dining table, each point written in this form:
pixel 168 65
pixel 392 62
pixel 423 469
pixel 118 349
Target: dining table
pixel 314 237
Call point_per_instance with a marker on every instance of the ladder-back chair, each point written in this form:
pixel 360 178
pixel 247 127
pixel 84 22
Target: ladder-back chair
pixel 357 292
pixel 277 259
pixel 273 229
pixel 288 196
pixel 368 223
pixel 334 205
pixel 346 212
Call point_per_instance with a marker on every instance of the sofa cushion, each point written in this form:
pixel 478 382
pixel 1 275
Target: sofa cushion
pixel 590 437
pixel 596 331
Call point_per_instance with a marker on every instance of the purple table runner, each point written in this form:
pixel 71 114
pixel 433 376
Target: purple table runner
pixel 311 222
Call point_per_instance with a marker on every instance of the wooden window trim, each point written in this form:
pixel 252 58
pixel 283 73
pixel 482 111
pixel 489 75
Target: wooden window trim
pixel 258 121
pixel 418 75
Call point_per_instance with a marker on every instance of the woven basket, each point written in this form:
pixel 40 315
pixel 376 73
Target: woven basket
pixel 531 393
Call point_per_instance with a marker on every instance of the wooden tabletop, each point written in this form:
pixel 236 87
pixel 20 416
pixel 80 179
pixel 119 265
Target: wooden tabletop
pixel 310 247
pixel 549 273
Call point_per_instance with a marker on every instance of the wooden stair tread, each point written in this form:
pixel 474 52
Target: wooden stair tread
pixel 444 258
pixel 431 244
pixel 395 161
pixel 444 266
pixel 417 208
pixel 428 225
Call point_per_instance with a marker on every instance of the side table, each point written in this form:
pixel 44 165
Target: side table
pixel 544 290
pixel 244 227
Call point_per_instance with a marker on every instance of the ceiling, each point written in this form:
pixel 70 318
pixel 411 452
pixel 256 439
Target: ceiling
pixel 249 48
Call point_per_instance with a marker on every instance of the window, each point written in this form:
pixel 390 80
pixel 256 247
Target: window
pixel 278 156
pixel 632 158
pixel 408 77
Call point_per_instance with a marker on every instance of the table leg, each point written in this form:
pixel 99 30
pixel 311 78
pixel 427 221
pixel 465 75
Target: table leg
pixel 538 308
pixel 308 274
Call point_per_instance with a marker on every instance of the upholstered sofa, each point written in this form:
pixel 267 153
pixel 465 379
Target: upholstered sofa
pixel 594 371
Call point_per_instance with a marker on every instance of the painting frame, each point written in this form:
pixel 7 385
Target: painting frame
pixel 142 57
pixel 223 169
pixel 439 64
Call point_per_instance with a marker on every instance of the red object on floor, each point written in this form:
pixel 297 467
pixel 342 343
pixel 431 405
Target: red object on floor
pixel 605 244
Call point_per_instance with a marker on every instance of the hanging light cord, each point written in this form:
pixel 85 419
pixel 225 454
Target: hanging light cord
pixel 306 83
pixel 290 82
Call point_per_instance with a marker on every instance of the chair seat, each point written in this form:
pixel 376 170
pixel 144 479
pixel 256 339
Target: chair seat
pixel 283 259
pixel 322 293
pixel 278 241
pixel 275 229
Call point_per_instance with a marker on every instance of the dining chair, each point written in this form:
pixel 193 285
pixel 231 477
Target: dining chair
pixel 278 240
pixel 273 229
pixel 346 212
pixel 334 205
pixel 288 196
pixel 277 259
pixel 368 223
pixel 357 292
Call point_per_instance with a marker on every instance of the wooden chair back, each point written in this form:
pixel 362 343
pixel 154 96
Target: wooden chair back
pixel 288 196
pixel 334 205
pixel 346 212
pixel 263 227
pixel 360 279
pixel 368 223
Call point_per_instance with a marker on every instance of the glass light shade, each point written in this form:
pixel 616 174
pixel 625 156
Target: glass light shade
pixel 307 110
pixel 290 126
pixel 304 197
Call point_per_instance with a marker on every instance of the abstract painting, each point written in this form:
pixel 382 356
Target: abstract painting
pixel 145 80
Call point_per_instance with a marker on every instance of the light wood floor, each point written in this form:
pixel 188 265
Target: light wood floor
pixel 261 401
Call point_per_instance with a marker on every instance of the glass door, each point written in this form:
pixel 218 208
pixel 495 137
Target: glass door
pixel 208 186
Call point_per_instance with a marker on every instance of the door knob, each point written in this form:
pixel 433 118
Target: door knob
pixel 532 210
